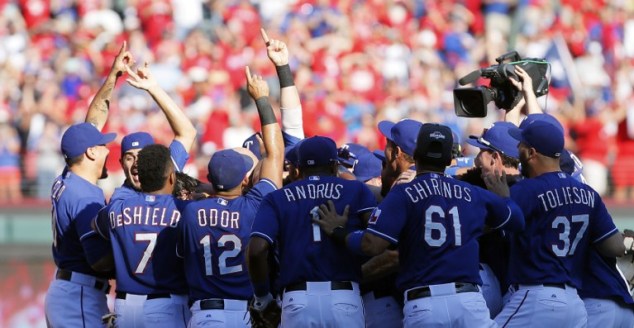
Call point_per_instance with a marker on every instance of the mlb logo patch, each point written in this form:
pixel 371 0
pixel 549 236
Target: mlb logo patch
pixel 135 144
pixel 313 178
pixel 150 198
pixel 437 135
pixel 310 162
pixel 222 201
pixel 375 216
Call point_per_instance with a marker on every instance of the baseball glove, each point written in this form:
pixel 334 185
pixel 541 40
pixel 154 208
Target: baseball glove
pixel 270 317
pixel 109 320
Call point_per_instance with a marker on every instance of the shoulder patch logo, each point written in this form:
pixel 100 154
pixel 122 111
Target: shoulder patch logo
pixel 375 216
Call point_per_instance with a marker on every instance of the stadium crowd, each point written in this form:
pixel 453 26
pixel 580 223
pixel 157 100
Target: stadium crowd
pixel 355 62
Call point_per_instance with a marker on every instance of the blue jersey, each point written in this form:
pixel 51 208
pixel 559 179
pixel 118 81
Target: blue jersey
pixel 179 157
pixel 563 217
pixel 436 220
pixel 142 231
pixel 305 253
pixel 213 238
pixel 602 279
pixel 75 202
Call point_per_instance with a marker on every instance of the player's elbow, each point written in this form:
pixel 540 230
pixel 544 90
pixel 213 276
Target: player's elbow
pixel 258 249
pixel 103 264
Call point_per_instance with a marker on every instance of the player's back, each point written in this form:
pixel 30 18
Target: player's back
pixel 143 236
pixel 563 218
pixel 306 254
pixel 440 219
pixel 74 200
pixel 214 234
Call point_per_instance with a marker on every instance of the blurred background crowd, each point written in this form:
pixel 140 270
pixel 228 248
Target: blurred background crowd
pixel 355 63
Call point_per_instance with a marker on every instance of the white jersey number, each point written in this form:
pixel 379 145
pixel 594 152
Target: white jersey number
pixel 314 214
pixel 222 259
pixel 564 236
pixel 439 227
pixel 147 255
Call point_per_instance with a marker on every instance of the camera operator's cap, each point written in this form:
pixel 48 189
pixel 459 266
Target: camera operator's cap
pixel 541 117
pixel 317 151
pixel 136 140
pixel 79 137
pixel 227 168
pixel 368 167
pixel 403 133
pixel 496 138
pixel 545 137
pixel 434 146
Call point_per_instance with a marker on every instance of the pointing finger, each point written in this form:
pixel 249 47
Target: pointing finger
pixel 265 37
pixel 247 72
pixel 123 47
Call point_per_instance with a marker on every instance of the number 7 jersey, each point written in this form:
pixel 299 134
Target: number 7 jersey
pixel 142 231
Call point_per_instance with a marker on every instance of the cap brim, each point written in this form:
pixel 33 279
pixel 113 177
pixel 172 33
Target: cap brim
pixel 386 128
pixel 107 138
pixel 516 133
pixel 380 154
pixel 473 141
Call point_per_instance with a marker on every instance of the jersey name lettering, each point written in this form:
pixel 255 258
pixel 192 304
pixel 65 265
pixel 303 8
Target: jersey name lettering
pixel 565 196
pixel 421 190
pixel 313 191
pixel 141 215
pixel 215 218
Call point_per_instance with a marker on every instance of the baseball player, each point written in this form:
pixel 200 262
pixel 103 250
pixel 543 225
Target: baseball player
pixel 319 281
pixel 290 105
pixel 76 297
pixel 399 152
pixel 499 153
pixel 131 144
pixel 564 218
pixel 151 288
pixel 214 232
pixel 75 200
pixel 435 221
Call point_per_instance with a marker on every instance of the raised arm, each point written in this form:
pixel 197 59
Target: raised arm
pixel 184 130
pixel 100 104
pixel 273 161
pixel 290 104
pixel 525 86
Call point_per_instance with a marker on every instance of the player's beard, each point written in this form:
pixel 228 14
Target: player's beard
pixel 104 172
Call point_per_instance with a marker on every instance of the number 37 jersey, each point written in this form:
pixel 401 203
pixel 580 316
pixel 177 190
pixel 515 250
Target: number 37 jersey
pixel 563 218
pixel 436 220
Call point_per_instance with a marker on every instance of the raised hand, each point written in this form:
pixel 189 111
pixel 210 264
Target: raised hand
pixel 275 49
pixel 123 60
pixel 256 86
pixel 142 78
pixel 525 83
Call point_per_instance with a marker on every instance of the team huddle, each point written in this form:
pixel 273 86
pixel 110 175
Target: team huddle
pixel 297 232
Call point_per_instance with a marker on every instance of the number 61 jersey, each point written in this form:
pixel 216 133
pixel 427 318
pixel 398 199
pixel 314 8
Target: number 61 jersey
pixel 142 231
pixel 435 221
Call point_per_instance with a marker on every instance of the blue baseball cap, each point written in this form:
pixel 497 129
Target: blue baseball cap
pixel 227 169
pixel 136 140
pixel 496 138
pixel 317 151
pixel 79 137
pixel 253 144
pixel 368 166
pixel 290 153
pixel 380 154
pixel 545 137
pixel 541 117
pixel 403 133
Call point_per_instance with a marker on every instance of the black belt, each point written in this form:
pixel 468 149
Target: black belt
pixel 556 285
pixel 420 292
pixel 212 304
pixel 123 295
pixel 68 275
pixel 334 285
